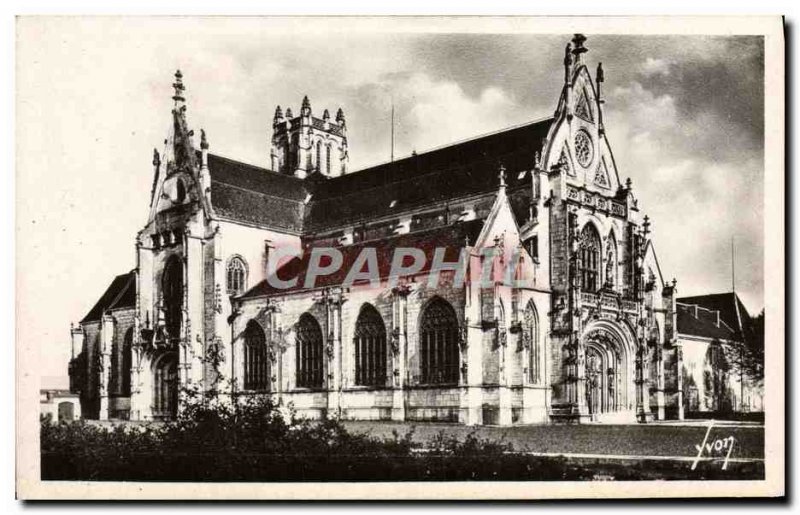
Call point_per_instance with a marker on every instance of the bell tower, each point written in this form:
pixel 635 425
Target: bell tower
pixel 306 145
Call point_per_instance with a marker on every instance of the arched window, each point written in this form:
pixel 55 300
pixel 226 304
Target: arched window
pixel 180 193
pixel 370 348
pixel 439 343
pixel 237 276
pixel 120 381
pixel 319 156
pixel 590 258
pixel 172 290
pixel 530 336
pixel 611 262
pixel 308 353
pixel 256 369
pixel 328 158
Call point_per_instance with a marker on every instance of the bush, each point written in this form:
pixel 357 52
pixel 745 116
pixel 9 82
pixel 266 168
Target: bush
pixel 255 441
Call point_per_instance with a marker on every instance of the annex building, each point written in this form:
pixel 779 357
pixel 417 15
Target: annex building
pixel 586 329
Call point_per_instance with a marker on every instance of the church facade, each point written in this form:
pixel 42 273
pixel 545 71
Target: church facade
pixel 527 288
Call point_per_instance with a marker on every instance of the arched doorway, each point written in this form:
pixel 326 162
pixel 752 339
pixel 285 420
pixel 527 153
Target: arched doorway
pixel 66 411
pixel 165 387
pixel 609 372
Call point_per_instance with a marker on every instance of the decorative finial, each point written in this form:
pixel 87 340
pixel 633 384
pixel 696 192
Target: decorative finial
pixel 579 49
pixel 203 140
pixel 628 183
pixel 278 114
pixel 340 116
pixel 156 158
pixel 502 177
pixel 326 115
pixel 646 225
pixel 289 114
pixel 179 88
pixel 674 282
pixel 305 110
pixel 599 75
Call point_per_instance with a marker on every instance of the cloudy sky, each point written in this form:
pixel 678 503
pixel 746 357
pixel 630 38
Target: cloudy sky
pixel 684 116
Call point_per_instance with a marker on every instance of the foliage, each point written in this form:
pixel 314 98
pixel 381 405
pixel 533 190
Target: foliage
pixel 256 440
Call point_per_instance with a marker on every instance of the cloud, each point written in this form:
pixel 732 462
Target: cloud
pixel 655 67
pixel 428 113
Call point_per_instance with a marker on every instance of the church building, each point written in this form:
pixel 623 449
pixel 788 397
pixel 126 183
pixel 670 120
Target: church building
pixel 585 328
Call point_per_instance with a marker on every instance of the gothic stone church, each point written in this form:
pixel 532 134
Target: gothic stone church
pixel 592 334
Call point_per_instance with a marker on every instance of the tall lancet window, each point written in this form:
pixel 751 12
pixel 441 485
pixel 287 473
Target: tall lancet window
pixel 236 276
pixel 532 343
pixel 319 156
pixel 438 330
pixel 370 348
pixel 308 353
pixel 256 369
pixel 328 159
pixel 590 258
pixel 172 290
pixel 611 263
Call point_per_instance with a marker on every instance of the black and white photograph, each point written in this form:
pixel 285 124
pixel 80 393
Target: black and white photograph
pixel 333 253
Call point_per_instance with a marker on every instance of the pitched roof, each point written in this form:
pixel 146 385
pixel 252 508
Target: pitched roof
pixel 455 171
pixel 121 293
pixel 451 238
pixel 696 320
pixel 731 311
pixel 256 195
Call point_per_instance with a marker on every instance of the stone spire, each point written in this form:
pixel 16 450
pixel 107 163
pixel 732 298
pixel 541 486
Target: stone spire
pixel 179 89
pixel 305 110
pixel 278 118
pixel 568 64
pixel 340 117
pixel 203 140
pixel 289 114
pixel 600 78
pixel 183 149
pixel 326 115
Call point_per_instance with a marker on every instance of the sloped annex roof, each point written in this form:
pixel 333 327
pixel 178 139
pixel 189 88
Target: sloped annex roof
pixel 467 168
pixel 451 238
pixel 731 311
pixel 256 195
pixel 694 320
pixel 121 293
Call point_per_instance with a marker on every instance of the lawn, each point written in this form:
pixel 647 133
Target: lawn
pixel 630 440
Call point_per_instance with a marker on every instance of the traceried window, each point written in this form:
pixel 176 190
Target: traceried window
pixel 370 348
pixel 308 353
pixel 319 156
pixel 120 382
pixel 256 365
pixel 439 343
pixel 611 263
pixel 531 338
pixel 237 276
pixel 328 159
pixel 172 291
pixel 583 148
pixel 590 258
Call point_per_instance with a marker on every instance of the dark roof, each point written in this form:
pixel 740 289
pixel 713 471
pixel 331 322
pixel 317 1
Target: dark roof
pixel 121 293
pixel 450 237
pixel 256 195
pixel 459 170
pixel 731 311
pixel 696 320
